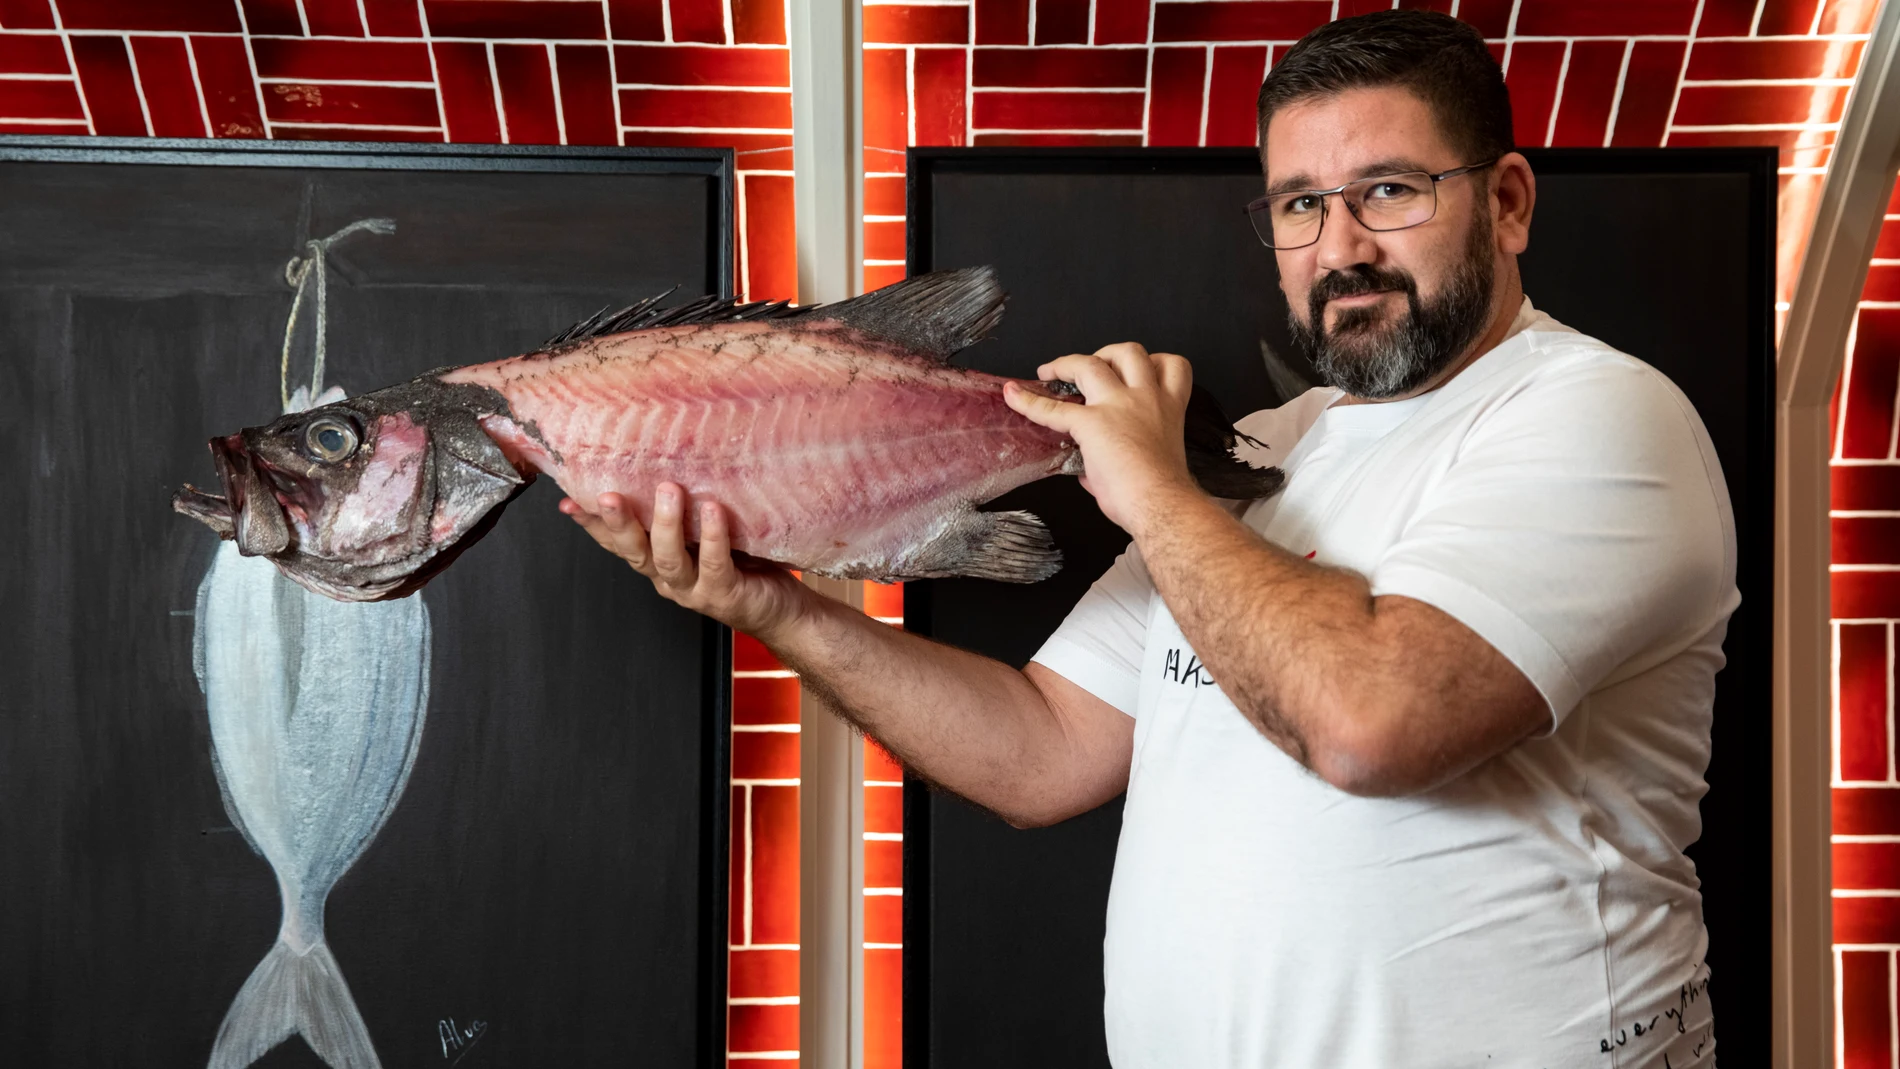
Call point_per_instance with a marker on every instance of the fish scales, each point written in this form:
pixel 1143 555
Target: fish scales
pixel 838 439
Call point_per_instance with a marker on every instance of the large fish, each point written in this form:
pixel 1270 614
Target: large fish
pixel 839 438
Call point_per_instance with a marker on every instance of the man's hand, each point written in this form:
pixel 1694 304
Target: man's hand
pixel 1129 429
pixel 759 601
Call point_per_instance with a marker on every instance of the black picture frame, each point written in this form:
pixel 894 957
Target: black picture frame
pixel 1047 1009
pixel 710 172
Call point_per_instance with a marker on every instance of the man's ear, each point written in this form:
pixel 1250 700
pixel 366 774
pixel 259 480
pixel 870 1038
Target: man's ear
pixel 1513 196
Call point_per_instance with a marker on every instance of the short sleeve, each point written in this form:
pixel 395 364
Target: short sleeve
pixel 1100 645
pixel 1583 530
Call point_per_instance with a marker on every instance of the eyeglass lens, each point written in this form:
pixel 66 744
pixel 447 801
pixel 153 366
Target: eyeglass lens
pixel 1385 202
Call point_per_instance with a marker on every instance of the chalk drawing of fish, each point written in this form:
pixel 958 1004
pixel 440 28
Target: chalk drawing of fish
pixel 316 710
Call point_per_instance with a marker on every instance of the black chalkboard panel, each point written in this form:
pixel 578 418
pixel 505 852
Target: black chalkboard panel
pixel 1665 253
pixel 550 888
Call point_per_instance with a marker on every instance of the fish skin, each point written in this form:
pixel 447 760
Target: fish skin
pixel 880 445
pixel 316 710
pixel 839 439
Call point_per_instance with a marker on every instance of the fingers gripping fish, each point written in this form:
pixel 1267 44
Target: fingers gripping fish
pixel 839 438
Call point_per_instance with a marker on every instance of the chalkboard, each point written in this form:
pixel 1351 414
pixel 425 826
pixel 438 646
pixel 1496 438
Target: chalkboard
pixel 550 888
pixel 1664 253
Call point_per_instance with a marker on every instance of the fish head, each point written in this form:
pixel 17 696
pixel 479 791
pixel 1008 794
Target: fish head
pixel 364 499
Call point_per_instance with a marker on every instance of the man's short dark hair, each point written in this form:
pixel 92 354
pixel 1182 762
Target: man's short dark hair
pixel 1441 60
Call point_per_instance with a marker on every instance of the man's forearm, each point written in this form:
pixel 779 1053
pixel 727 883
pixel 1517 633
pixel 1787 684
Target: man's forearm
pixel 972 725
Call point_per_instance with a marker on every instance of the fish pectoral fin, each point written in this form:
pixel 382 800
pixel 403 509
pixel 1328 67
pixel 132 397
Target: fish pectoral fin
pixel 1009 547
pixel 1211 442
pixel 292 993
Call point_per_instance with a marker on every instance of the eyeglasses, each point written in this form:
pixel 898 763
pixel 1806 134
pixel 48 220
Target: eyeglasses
pixel 1383 202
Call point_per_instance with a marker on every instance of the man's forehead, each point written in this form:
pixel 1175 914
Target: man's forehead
pixel 1324 141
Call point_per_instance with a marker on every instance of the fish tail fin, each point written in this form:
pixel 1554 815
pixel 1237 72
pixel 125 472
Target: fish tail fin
pixel 291 993
pixel 1211 442
pixel 1010 547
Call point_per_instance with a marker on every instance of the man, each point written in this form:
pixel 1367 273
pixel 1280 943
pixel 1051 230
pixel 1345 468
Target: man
pixel 1433 814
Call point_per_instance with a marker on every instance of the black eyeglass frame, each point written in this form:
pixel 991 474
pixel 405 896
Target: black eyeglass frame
pixel 1261 202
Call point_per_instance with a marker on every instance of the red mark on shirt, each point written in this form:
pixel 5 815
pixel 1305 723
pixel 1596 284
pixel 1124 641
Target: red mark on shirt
pixel 1313 554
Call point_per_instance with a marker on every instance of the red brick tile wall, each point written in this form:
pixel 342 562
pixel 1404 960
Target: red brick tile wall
pixel 569 72
pixel 1866 600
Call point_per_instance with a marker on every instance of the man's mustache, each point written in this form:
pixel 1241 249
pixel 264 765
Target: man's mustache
pixel 1355 281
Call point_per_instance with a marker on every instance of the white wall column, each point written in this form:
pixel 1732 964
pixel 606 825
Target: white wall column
pixel 828 178
pixel 1860 179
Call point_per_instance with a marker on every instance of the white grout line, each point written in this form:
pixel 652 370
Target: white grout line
pixel 910 94
pixel 494 83
pixel 1834 698
pixel 708 129
pixel 1863 567
pixel 1691 83
pixel 441 106
pixel 1015 130
pixel 1864 839
pixel 1755 127
pixel 10 76
pixel 303 19
pixel 362 17
pixel 1557 99
pixel 1880 892
pixel 1688 50
pixel 1846 391
pixel 762 1000
pixel 1616 99
pixel 23 120
pixel 138 85
pixel 1754 24
pixel 1120 90
pixel 764 782
pixel 1888 683
pixel 765 1055
pixel 766 673
pixel 898 892
pixel 883 946
pixel 346 81
pixel 762 946
pixel 85 108
pixel 356 126
pixel 746 892
pixel 666 21
pixel 780 729
pixel 883 783
pixel 1207 90
pixel 198 86
pixel 883 836
pixel 554 83
pixel 725 23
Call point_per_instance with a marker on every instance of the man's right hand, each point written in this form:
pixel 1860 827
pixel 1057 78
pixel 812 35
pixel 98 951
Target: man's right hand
pixel 762 601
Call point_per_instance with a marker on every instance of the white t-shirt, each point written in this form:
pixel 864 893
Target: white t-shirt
pixel 1562 500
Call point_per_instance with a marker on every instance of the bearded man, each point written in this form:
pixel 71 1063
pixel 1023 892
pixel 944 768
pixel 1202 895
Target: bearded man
pixel 1434 812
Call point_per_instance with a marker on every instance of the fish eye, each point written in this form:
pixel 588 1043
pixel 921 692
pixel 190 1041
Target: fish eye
pixel 330 439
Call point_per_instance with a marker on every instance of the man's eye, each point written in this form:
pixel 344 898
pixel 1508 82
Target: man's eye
pixel 1390 191
pixel 1300 205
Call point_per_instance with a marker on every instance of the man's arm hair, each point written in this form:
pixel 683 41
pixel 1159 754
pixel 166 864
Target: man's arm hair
pixel 1030 746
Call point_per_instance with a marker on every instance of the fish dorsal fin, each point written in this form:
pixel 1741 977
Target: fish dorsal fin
pixel 936 314
pixel 642 315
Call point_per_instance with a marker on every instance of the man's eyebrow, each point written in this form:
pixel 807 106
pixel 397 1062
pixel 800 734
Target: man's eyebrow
pixel 1301 182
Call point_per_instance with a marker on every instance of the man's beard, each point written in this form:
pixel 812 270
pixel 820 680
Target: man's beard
pixel 1359 357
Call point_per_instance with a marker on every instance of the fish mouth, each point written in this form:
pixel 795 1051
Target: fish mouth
pixel 249 511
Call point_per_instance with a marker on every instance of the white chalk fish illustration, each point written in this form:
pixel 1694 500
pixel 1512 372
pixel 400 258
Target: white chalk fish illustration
pixel 316 710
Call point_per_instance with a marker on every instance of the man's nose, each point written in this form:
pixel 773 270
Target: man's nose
pixel 1343 241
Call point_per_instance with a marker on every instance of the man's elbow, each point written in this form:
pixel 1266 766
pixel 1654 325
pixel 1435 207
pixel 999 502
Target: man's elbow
pixel 1362 756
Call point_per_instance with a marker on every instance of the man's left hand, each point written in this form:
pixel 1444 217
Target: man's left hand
pixel 1129 427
